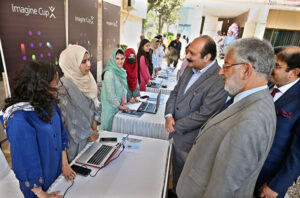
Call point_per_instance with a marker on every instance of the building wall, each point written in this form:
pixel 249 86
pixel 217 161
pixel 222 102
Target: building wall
pixel 131 29
pixel 241 19
pixel 114 2
pixel 281 19
pixel 131 23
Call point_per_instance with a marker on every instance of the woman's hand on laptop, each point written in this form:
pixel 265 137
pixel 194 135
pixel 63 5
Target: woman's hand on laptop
pixel 124 107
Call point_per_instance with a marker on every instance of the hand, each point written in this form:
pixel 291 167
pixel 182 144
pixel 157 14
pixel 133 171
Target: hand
pixel 93 137
pixel 267 192
pixel 43 194
pixel 170 123
pixel 124 107
pixel 54 195
pixel 68 172
pixel 136 100
pixel 149 83
pixel 132 100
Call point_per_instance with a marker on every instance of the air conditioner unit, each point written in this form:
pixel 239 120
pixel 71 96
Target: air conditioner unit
pixel 129 4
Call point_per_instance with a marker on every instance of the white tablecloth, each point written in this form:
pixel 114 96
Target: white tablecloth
pixel 148 125
pixel 9 185
pixel 143 173
pixel 170 83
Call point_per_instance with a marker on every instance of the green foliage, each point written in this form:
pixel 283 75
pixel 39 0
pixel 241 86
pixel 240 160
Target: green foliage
pixel 123 47
pixel 162 12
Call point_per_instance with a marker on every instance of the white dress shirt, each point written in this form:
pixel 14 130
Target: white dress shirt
pixel 283 89
pixel 246 93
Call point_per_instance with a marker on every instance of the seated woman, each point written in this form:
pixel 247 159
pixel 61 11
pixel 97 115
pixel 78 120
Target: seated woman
pixel 38 140
pixel 79 98
pixel 114 89
pixel 130 65
pixel 145 67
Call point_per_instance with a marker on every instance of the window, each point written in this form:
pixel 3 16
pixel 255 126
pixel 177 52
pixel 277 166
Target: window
pixel 282 37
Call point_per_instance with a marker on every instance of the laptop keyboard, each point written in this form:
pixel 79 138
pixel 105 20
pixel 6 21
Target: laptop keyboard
pixel 100 154
pixel 147 107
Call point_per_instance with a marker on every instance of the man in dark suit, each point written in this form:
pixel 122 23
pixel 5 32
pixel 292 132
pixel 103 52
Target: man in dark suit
pixel 282 166
pixel 198 94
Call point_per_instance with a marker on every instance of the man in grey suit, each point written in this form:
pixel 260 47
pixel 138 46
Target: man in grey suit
pixel 230 150
pixel 198 94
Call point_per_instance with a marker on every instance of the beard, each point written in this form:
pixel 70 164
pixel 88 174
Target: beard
pixel 233 85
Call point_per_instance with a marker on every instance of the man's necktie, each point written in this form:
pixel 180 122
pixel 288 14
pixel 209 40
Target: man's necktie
pixel 229 102
pixel 274 91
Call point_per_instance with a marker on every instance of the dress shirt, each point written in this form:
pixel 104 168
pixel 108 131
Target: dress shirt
pixel 197 75
pixel 283 89
pixel 246 93
pixel 194 78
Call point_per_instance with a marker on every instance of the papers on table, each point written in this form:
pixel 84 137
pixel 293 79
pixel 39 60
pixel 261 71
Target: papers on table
pixel 133 143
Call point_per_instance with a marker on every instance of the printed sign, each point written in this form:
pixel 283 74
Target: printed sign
pixel 111 29
pixel 82 30
pixel 31 30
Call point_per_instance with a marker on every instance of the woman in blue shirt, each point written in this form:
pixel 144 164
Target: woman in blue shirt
pixel 38 140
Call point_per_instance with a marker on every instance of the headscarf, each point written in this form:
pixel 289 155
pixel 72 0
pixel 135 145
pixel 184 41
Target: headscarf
pixel 112 66
pixel 153 43
pixel 131 70
pixel 70 60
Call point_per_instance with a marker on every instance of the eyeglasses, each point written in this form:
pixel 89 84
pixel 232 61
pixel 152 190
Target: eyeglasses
pixel 277 66
pixel 226 66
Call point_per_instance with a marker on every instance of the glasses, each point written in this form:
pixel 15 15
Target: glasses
pixel 277 66
pixel 226 66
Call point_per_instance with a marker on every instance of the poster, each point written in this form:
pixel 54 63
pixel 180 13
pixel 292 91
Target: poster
pixel 31 30
pixel 111 29
pixel 82 29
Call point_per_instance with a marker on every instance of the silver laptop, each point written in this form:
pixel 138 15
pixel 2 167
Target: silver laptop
pixel 97 155
pixel 150 107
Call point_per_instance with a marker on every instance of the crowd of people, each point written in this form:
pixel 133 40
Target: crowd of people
pixel 235 128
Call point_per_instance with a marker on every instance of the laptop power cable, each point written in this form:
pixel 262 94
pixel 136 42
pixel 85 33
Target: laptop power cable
pixel 106 163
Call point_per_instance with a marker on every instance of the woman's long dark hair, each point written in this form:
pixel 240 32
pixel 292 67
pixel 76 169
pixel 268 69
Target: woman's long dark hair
pixel 32 84
pixel 147 56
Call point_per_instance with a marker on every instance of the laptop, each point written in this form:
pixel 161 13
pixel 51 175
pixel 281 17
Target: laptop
pixel 150 107
pixel 97 155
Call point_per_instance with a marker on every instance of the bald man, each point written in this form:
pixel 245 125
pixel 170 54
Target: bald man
pixel 198 94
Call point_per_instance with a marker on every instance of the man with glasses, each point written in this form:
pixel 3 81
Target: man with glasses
pixel 198 95
pixel 282 166
pixel 231 148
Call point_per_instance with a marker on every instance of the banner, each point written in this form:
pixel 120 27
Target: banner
pixel 111 29
pixel 31 30
pixel 82 29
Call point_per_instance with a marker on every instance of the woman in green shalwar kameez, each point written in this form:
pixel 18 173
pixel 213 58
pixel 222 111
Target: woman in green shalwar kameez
pixel 114 89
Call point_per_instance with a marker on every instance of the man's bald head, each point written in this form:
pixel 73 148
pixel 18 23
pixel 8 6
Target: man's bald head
pixel 208 46
pixel 201 52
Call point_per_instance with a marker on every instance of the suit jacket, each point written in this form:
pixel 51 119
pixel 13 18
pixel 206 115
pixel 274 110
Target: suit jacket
pixel 229 152
pixel 282 166
pixel 192 109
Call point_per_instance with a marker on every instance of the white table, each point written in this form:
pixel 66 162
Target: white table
pixel 143 173
pixel 168 72
pixel 170 83
pixel 148 125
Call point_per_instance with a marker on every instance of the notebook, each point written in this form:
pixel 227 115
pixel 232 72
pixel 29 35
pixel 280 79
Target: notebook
pixel 150 107
pixel 98 154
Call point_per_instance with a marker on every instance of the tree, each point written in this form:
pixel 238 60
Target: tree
pixel 161 12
